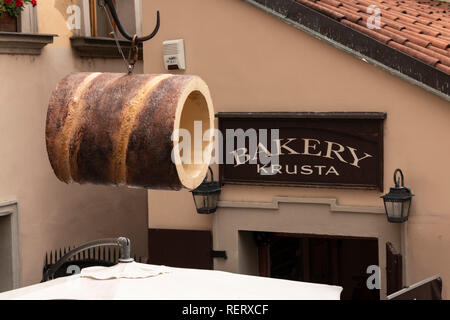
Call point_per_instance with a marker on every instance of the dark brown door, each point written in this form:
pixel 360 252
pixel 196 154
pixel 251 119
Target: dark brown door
pixel 394 269
pixel 328 260
pixel 180 248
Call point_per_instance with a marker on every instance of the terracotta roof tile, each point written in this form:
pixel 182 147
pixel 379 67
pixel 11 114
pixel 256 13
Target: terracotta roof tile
pixel 416 38
pixel 441 37
pixel 414 53
pixel 443 68
pixel 376 35
pixel 396 36
pixel 405 19
pixel 322 8
pixel 365 19
pixel 349 15
pixel 355 7
pixel 442 58
pixel 428 31
pixel 435 41
pixel 443 52
pixel 333 3
pixel 390 16
pixel 426 22
pixel 419 28
pixel 437 29
pixel 393 24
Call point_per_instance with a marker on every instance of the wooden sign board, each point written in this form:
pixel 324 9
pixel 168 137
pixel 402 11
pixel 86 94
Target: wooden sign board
pixel 342 150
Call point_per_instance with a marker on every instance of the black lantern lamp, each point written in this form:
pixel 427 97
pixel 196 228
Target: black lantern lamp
pixel 206 195
pixel 398 201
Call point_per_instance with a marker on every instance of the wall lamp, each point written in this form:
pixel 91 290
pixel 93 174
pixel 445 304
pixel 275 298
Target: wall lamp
pixel 398 201
pixel 206 195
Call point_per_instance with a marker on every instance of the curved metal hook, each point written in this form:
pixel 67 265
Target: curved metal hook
pixel 211 174
pixel 399 182
pixel 113 12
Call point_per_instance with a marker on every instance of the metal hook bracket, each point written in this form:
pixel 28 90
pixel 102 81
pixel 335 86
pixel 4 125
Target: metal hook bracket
pixel 399 182
pixel 133 56
pixel 122 31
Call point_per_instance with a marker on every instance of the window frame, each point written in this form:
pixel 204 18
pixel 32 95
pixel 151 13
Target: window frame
pixel 86 45
pixel 26 40
pixel 89 27
pixel 28 21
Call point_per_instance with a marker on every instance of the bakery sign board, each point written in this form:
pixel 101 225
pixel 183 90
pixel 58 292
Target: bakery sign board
pixel 336 149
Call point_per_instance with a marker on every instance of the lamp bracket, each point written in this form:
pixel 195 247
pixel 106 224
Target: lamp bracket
pixel 219 254
pixel 399 181
pixel 122 242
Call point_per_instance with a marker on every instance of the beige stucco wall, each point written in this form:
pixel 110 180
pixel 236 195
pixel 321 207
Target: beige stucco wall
pixel 52 214
pixel 52 19
pixel 254 62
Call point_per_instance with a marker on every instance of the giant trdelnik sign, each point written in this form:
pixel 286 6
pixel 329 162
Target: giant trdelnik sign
pixel 306 149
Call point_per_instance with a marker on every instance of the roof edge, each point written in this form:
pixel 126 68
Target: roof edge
pixel 346 39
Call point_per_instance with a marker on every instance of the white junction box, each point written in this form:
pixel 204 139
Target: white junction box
pixel 174 58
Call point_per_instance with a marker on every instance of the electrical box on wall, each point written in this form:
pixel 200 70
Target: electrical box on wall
pixel 174 58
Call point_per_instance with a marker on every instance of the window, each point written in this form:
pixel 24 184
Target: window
pixel 95 38
pixel 21 35
pixel 27 21
pixel 100 26
pixel 96 22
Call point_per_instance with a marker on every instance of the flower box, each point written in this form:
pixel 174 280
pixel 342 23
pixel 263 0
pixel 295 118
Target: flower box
pixel 10 11
pixel 8 23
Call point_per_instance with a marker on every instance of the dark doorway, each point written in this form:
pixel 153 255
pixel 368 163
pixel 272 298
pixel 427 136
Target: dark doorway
pixel 6 254
pixel 338 261
pixel 180 248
